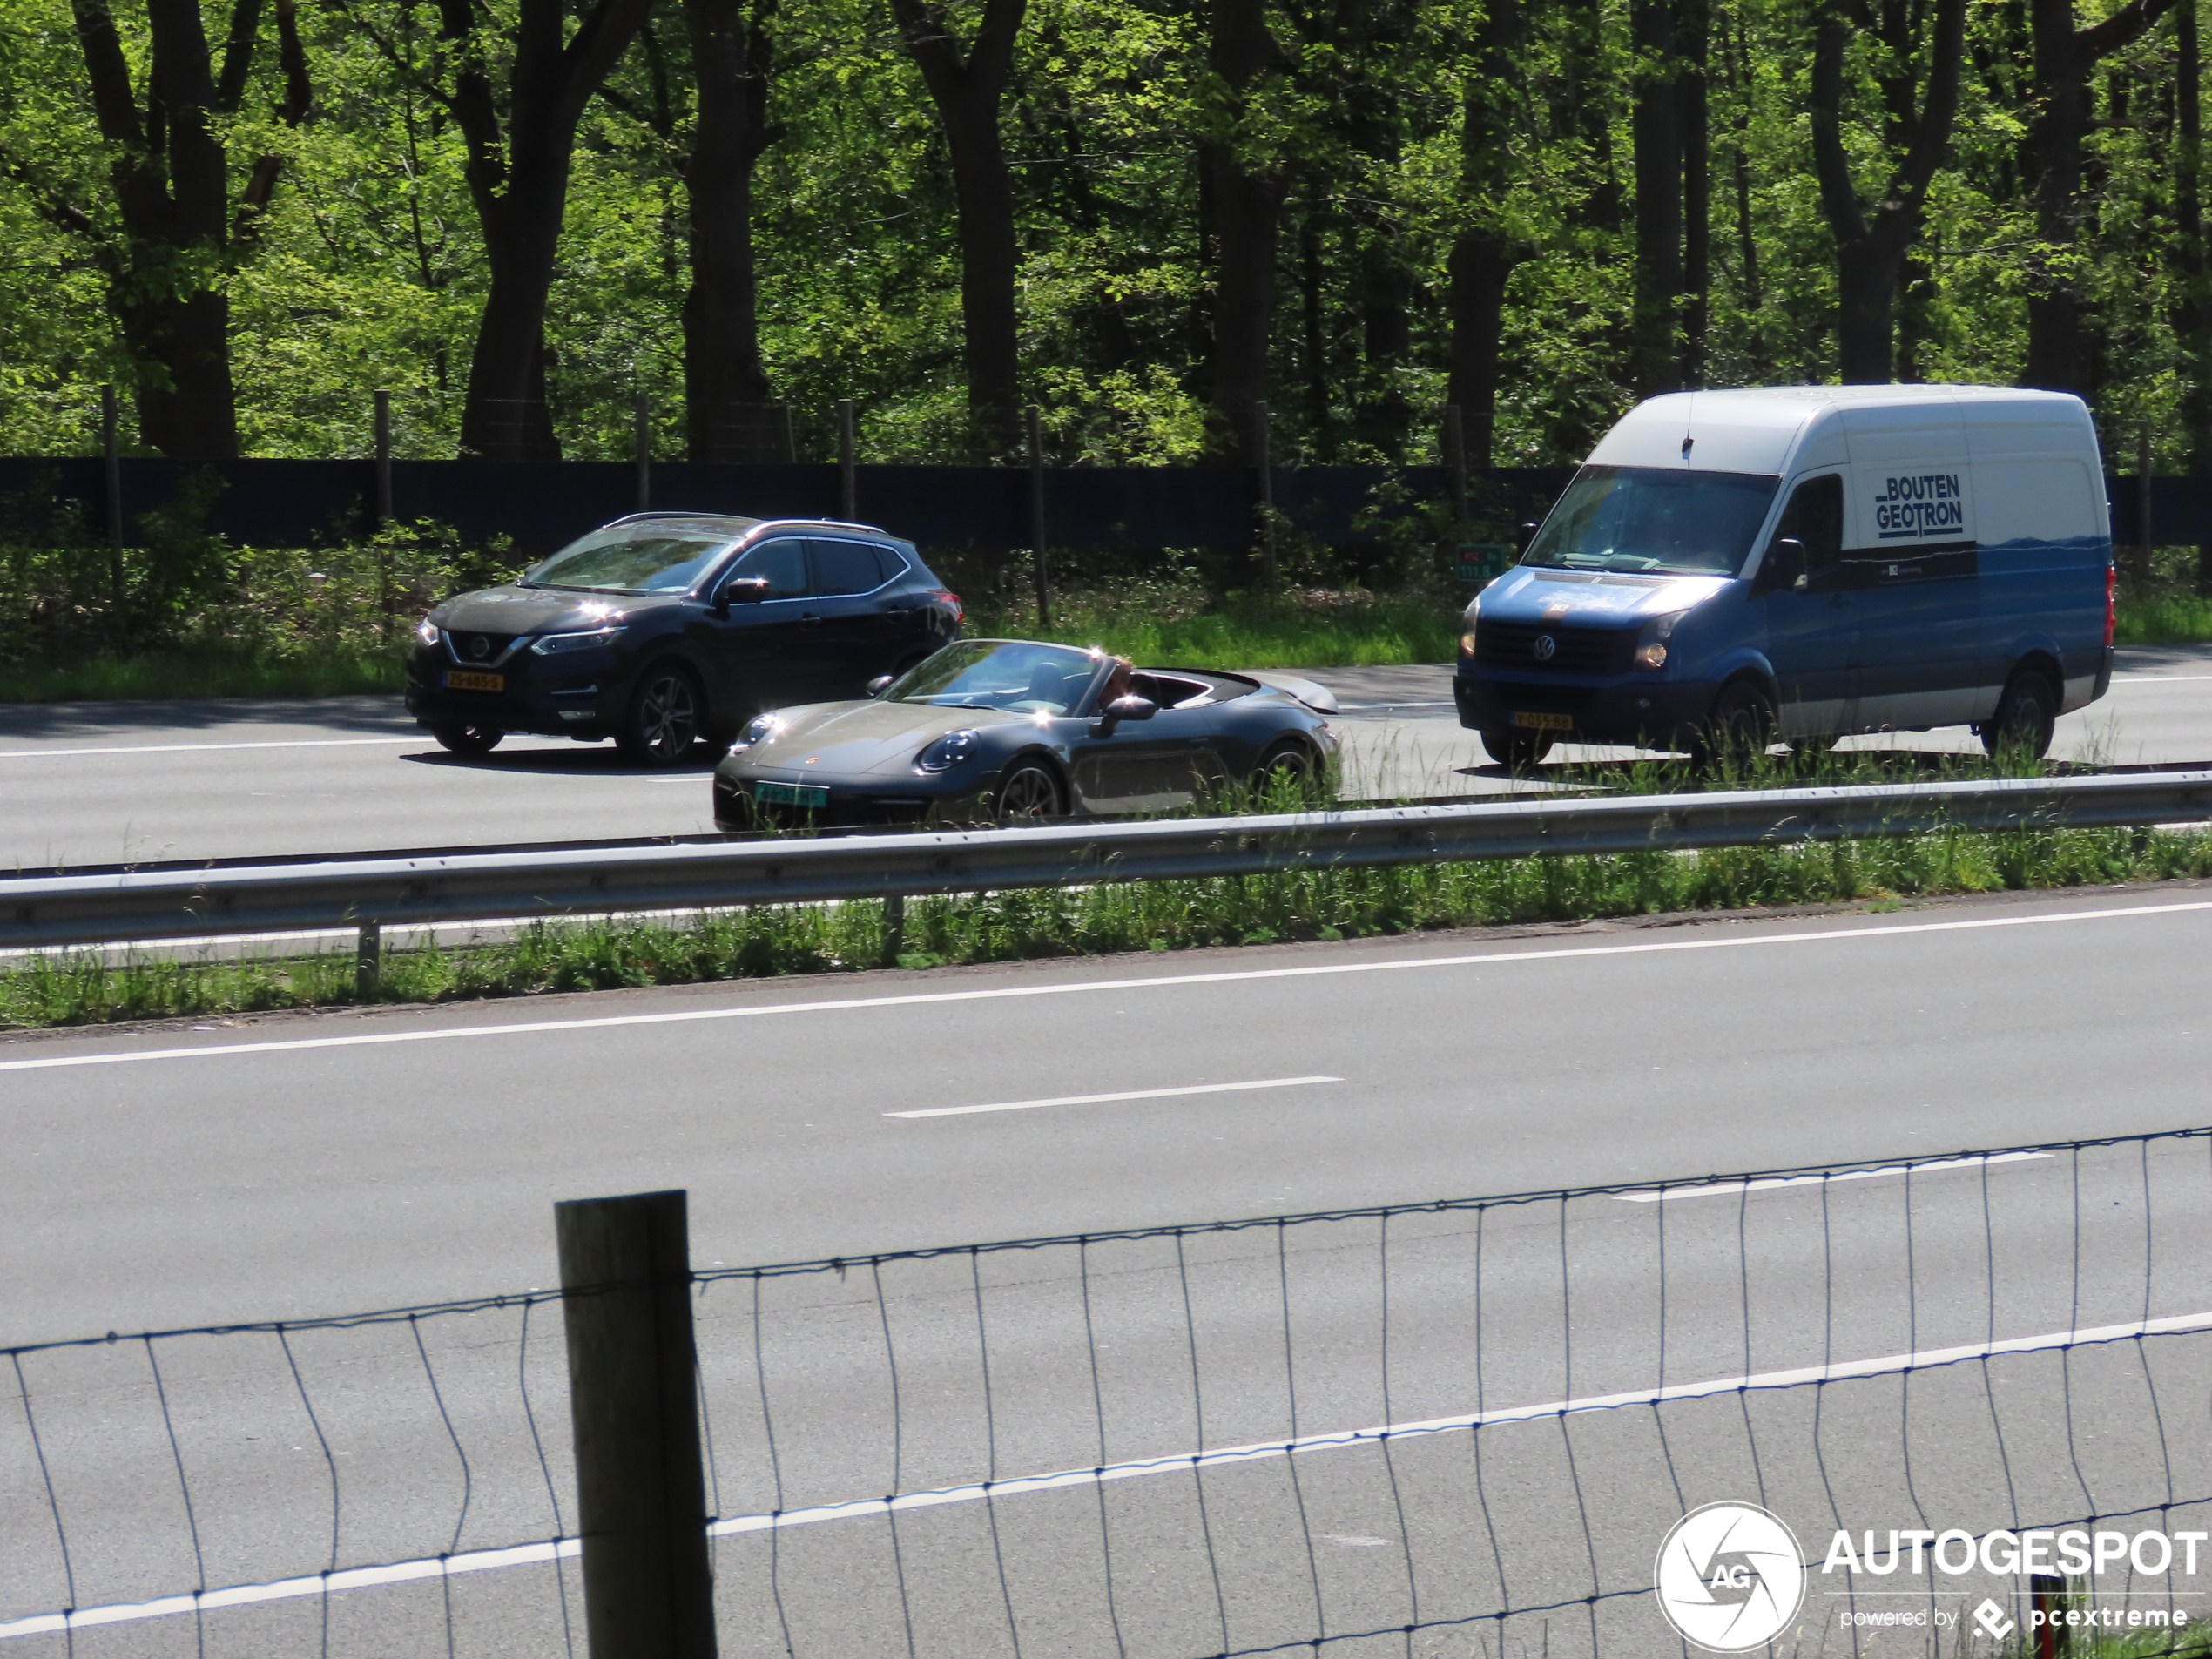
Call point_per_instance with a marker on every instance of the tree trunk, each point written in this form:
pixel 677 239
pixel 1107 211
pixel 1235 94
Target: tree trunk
pixel 169 176
pixel 727 412
pixel 519 181
pixel 1483 257
pixel 2192 314
pixel 1245 197
pixel 968 86
pixel 2057 358
pixel 1696 190
pixel 1871 250
pixel 1314 327
pixel 1654 363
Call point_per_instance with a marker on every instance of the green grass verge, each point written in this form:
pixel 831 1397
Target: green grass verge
pixel 2163 619
pixel 1106 918
pixel 201 670
pixel 1168 629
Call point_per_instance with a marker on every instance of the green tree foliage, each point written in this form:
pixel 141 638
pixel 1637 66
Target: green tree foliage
pixel 1406 151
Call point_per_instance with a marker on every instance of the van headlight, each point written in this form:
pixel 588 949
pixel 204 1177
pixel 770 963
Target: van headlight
pixel 947 752
pixel 1651 643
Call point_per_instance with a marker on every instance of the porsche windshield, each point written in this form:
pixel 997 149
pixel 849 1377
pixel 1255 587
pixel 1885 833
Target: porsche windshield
pixel 638 558
pixel 1000 674
pixel 1654 518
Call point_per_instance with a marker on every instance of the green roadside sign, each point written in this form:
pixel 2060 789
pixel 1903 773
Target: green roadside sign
pixel 1481 561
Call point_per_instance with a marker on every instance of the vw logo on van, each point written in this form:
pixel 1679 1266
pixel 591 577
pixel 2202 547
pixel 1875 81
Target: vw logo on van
pixel 1546 648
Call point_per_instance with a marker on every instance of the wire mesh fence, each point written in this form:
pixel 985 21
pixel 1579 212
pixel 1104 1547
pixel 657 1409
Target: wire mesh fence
pixel 1448 1428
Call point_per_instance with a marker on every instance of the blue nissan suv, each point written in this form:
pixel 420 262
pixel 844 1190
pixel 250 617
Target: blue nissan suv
pixel 663 629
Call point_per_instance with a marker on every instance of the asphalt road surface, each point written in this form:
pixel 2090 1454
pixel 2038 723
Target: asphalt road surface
pixel 109 782
pixel 304 1167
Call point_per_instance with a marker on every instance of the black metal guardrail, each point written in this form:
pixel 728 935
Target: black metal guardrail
pixel 370 892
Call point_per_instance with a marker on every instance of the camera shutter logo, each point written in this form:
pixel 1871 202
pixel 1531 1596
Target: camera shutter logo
pixel 1545 647
pixel 1730 1577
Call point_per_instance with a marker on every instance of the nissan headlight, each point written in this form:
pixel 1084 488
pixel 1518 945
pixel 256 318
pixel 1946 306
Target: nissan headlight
pixel 559 644
pixel 947 752
pixel 765 729
pixel 428 631
pixel 1651 645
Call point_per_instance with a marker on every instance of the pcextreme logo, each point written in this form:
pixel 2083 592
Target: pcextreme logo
pixel 1730 1577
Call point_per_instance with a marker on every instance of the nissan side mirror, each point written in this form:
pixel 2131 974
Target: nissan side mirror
pixel 879 685
pixel 1785 566
pixel 741 590
pixel 1124 708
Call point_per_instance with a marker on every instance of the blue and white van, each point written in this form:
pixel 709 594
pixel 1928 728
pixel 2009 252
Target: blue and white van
pixel 1797 563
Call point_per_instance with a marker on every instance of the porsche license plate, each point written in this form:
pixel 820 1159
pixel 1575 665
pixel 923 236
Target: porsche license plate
pixel 792 794
pixel 461 679
pixel 1531 720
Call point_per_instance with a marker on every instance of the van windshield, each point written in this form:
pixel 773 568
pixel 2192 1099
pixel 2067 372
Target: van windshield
pixel 1654 518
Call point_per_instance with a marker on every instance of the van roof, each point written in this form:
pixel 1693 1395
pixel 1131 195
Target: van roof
pixel 1760 428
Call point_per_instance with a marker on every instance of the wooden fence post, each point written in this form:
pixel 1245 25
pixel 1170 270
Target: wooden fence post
pixel 644 437
pixel 1266 467
pixel 848 477
pixel 383 461
pixel 112 476
pixel 1038 553
pixel 633 1397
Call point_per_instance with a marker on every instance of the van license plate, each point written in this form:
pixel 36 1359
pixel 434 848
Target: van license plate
pixel 792 794
pixel 460 679
pixel 1530 720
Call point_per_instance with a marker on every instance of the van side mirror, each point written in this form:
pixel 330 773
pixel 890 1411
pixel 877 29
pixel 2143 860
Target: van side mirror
pixel 741 590
pixel 1784 566
pixel 1121 709
pixel 879 685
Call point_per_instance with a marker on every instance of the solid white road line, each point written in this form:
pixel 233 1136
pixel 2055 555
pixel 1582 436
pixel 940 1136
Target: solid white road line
pixel 1717 1189
pixel 1127 1094
pixel 859 1508
pixel 194 748
pixel 685 1016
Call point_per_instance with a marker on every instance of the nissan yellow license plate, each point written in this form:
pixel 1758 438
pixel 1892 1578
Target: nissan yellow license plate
pixel 462 680
pixel 1531 720
pixel 792 794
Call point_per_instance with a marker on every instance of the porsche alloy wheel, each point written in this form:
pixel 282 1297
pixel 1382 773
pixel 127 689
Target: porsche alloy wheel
pixel 1028 794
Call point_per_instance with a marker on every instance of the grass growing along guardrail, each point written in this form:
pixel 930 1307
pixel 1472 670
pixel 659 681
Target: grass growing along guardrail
pixel 81 988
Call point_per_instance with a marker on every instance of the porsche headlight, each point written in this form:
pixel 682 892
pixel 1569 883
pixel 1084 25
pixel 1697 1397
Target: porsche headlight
pixel 554 645
pixel 428 631
pixel 765 729
pixel 947 752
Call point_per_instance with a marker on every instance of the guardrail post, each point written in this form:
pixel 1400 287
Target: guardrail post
pixel 368 962
pixel 894 928
pixel 1037 552
pixel 848 477
pixel 633 1399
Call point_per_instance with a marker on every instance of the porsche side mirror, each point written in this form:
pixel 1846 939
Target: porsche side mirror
pixel 879 684
pixel 1121 709
pixel 1784 566
pixel 741 590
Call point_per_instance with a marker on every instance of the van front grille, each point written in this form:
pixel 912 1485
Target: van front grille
pixel 1574 650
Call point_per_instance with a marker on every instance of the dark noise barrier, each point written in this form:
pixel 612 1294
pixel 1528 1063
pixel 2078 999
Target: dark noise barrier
pixel 1969 1387
pixel 542 504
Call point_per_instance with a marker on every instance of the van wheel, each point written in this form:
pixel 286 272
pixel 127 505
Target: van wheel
pixel 2025 715
pixel 1518 751
pixel 1738 730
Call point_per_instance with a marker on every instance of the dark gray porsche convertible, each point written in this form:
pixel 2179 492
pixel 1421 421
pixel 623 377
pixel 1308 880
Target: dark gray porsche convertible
pixel 1011 730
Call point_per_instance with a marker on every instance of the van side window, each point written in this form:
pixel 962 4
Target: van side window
pixel 1815 516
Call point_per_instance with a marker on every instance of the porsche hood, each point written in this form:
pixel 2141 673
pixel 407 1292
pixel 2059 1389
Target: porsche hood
pixel 852 739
